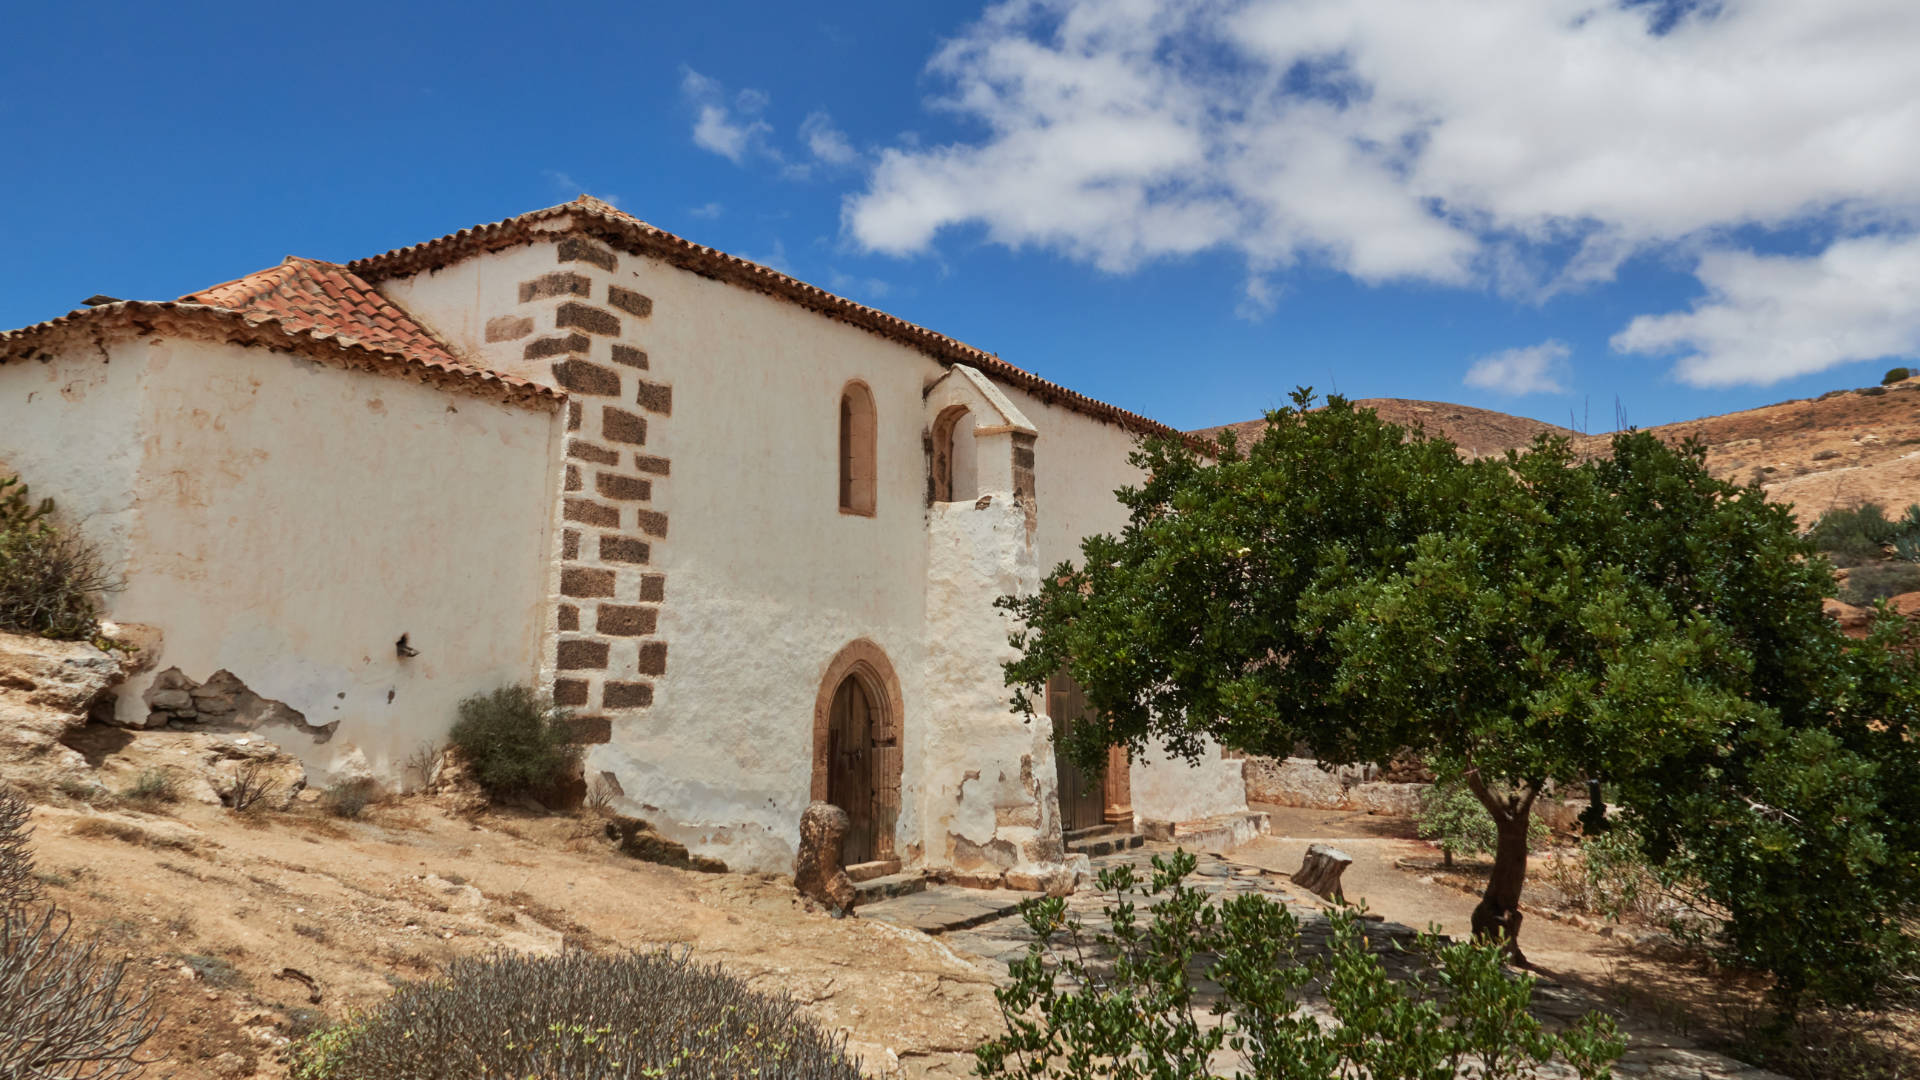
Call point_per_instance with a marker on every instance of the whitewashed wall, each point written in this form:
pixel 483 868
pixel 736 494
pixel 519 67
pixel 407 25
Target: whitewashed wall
pixel 288 520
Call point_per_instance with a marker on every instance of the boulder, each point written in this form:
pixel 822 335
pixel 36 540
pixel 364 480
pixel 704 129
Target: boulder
pixel 818 870
pixel 1854 622
pixel 47 691
pixel 637 839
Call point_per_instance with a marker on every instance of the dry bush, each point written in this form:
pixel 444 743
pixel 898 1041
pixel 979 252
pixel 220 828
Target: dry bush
pixel 600 795
pixel 64 1011
pixel 582 1016
pixel 251 783
pixel 423 763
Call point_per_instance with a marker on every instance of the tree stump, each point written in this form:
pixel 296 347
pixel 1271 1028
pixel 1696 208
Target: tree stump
pixel 818 872
pixel 1320 872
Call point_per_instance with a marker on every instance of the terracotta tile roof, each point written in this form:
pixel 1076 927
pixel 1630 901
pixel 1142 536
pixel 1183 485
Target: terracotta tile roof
pixel 319 309
pixel 592 217
pixel 327 299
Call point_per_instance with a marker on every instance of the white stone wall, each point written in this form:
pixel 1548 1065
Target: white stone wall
pixel 288 520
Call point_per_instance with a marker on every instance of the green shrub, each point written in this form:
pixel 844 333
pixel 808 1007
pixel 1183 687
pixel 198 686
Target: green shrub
pixel 1072 1013
pixel 1877 581
pixel 49 577
pixel 151 787
pixel 349 798
pixel 1609 877
pixel 1854 536
pixel 515 741
pixel 1453 818
pixel 1894 375
pixel 581 1016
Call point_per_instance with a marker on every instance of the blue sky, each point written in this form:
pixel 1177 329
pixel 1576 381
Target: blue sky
pixel 1184 208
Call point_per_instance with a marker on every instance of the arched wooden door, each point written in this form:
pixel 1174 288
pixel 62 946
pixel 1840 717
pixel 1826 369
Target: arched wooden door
pixel 850 779
pixel 856 748
pixel 1082 795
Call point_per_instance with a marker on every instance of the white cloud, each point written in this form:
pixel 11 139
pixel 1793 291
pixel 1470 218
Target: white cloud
pixel 1535 369
pixel 1529 146
pixel 731 129
pixel 826 142
pixel 1770 317
pixel 857 287
pixel 707 210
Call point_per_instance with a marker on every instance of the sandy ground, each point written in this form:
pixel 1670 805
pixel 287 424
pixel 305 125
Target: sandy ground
pixel 213 907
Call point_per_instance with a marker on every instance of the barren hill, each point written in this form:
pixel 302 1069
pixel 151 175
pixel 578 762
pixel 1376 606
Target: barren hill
pixel 1479 432
pixel 1842 448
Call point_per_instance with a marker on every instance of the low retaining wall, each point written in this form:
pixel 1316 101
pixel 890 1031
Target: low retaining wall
pixel 1304 782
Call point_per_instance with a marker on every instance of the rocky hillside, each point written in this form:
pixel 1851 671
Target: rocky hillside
pixel 1840 449
pixel 1478 432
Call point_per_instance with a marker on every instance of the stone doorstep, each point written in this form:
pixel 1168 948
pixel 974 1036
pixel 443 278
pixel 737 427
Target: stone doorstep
pixel 867 871
pixel 886 886
pixel 944 908
pixel 1218 834
pixel 1097 846
pixel 1091 832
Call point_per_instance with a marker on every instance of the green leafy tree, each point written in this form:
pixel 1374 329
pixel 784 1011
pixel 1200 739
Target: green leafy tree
pixel 1452 816
pixel 1347 584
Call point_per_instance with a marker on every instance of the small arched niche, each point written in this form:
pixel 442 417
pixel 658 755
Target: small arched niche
pixel 858 467
pixel 956 462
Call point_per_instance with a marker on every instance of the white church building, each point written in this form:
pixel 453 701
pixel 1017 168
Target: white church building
pixel 748 531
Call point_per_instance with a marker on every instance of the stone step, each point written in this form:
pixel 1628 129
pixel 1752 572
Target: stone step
pixel 945 908
pixel 1097 846
pixel 887 887
pixel 1074 836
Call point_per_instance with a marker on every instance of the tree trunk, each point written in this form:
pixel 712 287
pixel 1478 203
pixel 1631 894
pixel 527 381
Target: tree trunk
pixel 1320 872
pixel 1497 915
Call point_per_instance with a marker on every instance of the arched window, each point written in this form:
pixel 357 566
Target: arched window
pixel 857 469
pixel 955 471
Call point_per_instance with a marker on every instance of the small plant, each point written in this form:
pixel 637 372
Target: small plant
pixel 577 1015
pixel 1608 876
pixel 1454 819
pixel 251 783
pixel 600 796
pixel 1895 375
pixel 82 791
pixel 19 885
pixel 349 798
pixel 152 787
pixel 1124 1004
pixel 311 932
pixel 424 763
pixel 1878 581
pixel 49 576
pixel 516 741
pixel 1853 536
pixel 214 971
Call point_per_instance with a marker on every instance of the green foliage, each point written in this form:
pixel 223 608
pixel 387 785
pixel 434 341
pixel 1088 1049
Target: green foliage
pixel 1608 876
pixel 49 577
pixel 581 1016
pixel 515 740
pixel 1878 581
pixel 349 798
pixel 1122 1005
pixel 1894 375
pixel 152 787
pixel 1453 817
pixel 1349 585
pixel 1853 535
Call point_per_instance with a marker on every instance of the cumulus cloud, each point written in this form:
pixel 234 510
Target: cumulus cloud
pixel 1536 369
pixel 1770 317
pixel 730 127
pixel 825 142
pixel 1527 146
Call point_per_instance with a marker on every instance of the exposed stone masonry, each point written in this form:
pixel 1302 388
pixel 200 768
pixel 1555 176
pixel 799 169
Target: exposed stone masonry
pixel 591 331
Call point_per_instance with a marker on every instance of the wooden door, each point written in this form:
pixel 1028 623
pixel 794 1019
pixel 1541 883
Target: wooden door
pixel 1082 798
pixel 850 769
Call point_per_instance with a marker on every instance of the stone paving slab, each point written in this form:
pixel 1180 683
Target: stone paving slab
pixel 941 909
